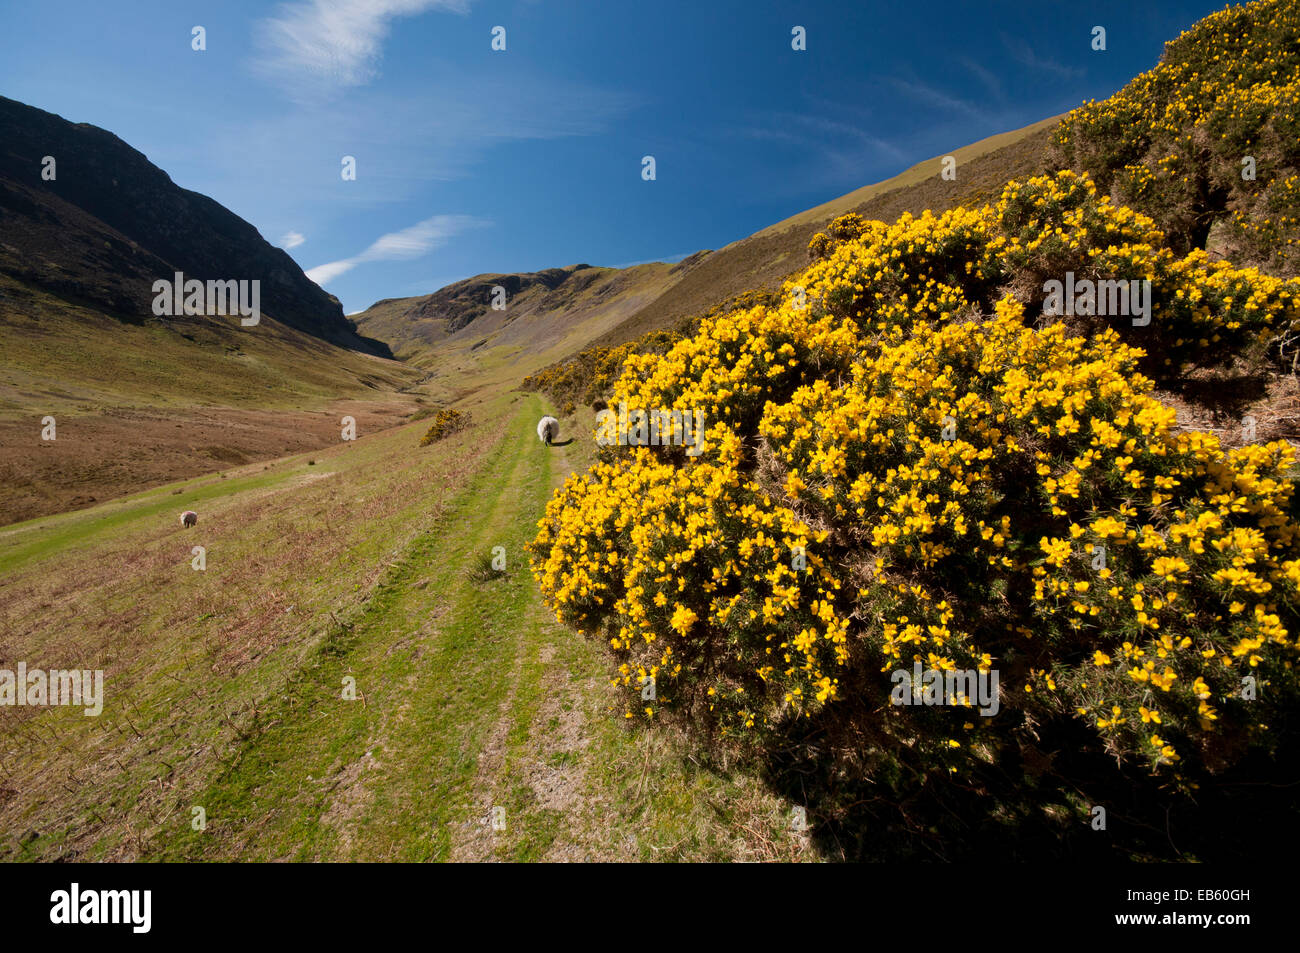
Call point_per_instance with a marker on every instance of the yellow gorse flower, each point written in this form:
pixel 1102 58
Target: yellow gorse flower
pixel 891 476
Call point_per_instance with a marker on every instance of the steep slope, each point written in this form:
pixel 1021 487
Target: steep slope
pixel 140 399
pixel 109 223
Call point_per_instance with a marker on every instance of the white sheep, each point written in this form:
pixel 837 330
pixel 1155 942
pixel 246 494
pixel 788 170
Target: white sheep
pixel 548 428
pixel 189 518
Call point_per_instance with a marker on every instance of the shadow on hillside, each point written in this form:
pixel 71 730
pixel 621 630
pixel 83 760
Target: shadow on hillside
pixel 864 806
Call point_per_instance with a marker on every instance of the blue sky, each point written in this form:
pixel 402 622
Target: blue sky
pixel 470 160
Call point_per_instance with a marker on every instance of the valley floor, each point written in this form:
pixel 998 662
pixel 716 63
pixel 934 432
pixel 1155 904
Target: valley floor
pixel 481 728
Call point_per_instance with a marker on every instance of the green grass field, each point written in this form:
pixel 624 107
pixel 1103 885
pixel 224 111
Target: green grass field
pixel 224 687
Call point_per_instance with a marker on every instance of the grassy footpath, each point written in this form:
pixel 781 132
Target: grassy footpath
pixel 482 729
pixel 376 777
pixel 471 705
pixel 194 659
pixel 577 784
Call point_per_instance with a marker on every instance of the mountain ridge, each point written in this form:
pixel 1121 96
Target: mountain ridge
pixel 109 222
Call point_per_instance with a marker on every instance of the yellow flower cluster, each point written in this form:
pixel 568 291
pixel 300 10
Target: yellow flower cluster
pixel 1209 134
pixel 951 266
pixel 901 465
pixel 704 572
pixel 1053 452
pixel 445 423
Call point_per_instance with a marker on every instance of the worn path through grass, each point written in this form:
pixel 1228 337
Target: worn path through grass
pixel 481 729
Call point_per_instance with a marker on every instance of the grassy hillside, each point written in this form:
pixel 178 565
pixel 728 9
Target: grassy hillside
pixel 140 399
pixel 136 405
pixel 465 347
pixel 555 310
pixel 224 686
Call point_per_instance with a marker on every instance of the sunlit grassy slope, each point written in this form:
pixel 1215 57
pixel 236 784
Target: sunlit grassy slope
pixel 137 405
pixel 224 686
pixel 62 356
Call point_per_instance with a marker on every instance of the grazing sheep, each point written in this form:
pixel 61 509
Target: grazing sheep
pixel 548 428
pixel 189 518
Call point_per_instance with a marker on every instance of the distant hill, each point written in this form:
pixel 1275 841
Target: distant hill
pixel 110 223
pixel 556 310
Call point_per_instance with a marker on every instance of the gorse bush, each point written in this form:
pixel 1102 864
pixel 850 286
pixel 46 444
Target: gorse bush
pixel 1061 531
pixel 588 376
pixel 940 268
pixel 850 227
pixel 914 459
pixel 1211 134
pixel 445 423
pixel 901 467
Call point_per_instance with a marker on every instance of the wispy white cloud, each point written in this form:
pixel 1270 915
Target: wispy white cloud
pixel 292 239
pixel 928 95
pixel 985 76
pixel 324 274
pixel 1039 64
pixel 405 245
pixel 289 162
pixel 315 46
